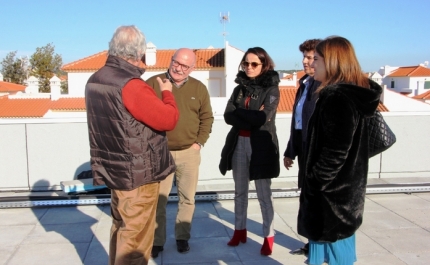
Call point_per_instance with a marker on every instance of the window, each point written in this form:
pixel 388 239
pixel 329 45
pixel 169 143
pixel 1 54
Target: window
pixel 426 84
pixel 392 83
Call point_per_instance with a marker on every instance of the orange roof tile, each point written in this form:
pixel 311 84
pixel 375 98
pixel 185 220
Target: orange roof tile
pixel 425 95
pixel 11 87
pixel 23 108
pixel 90 63
pixel 288 94
pixel 208 58
pixel 299 74
pixel 382 107
pixel 37 107
pixel 410 71
pixel 68 104
pixel 205 58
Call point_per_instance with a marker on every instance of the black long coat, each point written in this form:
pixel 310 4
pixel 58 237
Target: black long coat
pixel 308 108
pixel 264 90
pixel 333 192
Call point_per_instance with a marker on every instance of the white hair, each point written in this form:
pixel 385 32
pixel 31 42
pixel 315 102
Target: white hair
pixel 128 42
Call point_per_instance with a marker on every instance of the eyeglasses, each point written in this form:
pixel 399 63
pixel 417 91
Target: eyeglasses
pixel 253 64
pixel 183 66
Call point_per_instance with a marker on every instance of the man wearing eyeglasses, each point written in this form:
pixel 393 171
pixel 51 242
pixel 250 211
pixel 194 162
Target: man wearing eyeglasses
pixel 185 141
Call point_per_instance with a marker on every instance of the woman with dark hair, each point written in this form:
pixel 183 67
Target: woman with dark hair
pixel 251 148
pixel 333 192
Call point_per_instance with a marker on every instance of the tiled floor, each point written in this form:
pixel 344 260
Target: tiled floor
pixel 396 231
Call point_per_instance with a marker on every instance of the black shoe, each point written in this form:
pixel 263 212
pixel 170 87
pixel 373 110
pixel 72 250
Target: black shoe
pixel 156 250
pixel 301 251
pixel 306 249
pixel 182 246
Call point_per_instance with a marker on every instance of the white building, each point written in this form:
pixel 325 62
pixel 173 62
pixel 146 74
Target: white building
pixel 408 80
pixel 215 68
pixel 377 77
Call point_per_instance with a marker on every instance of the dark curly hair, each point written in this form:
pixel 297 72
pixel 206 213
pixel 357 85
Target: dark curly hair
pixel 309 45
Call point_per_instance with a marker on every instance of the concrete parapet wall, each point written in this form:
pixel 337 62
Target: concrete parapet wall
pixel 37 154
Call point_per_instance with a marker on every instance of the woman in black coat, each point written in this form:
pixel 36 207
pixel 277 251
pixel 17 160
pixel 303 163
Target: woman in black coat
pixel 333 192
pixel 251 147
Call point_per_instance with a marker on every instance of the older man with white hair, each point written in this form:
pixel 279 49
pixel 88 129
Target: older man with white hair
pixel 128 144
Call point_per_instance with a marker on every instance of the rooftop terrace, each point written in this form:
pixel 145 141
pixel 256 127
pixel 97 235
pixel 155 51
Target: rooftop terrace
pixel 395 231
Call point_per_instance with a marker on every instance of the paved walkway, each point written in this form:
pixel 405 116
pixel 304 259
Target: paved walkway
pixel 396 231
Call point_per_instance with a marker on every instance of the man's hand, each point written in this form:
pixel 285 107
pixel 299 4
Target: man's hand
pixel 196 146
pixel 164 84
pixel 288 162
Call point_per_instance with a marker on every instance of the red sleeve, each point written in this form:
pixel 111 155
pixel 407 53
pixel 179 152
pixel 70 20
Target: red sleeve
pixel 144 105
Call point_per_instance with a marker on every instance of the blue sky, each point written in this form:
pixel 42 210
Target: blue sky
pixel 383 32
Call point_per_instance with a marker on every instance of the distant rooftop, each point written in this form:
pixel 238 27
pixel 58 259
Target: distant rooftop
pixel 399 102
pixel 410 71
pixel 12 88
pixel 299 74
pixel 205 59
pixel 38 107
pixel 425 96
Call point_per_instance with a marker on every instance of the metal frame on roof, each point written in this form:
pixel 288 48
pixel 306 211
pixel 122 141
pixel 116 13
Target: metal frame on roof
pixel 99 199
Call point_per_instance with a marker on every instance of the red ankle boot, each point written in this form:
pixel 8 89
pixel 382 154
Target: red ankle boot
pixel 267 247
pixel 238 236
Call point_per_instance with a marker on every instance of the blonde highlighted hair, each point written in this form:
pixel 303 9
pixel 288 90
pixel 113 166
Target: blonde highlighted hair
pixel 340 62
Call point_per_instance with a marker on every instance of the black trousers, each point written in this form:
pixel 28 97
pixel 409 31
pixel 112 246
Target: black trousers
pixel 299 147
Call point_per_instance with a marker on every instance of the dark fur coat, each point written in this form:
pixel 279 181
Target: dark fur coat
pixel 333 192
pixel 263 90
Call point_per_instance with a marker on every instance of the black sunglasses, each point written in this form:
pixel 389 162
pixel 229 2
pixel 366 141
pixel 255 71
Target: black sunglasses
pixel 253 64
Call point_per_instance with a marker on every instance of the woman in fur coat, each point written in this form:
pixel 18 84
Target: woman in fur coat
pixel 251 147
pixel 333 193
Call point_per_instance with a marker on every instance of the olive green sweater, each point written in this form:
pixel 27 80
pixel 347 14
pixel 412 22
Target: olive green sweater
pixel 195 113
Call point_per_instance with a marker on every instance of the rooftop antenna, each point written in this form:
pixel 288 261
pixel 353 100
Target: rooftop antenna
pixel 224 18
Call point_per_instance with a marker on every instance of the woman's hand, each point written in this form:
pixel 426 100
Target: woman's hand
pixel 288 162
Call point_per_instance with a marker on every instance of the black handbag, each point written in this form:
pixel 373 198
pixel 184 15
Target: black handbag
pixel 381 137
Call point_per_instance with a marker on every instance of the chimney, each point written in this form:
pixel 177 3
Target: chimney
pixel 151 54
pixel 55 87
pixel 1 77
pixel 384 88
pixel 33 85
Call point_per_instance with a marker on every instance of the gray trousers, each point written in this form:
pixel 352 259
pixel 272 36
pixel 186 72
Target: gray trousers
pixel 240 164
